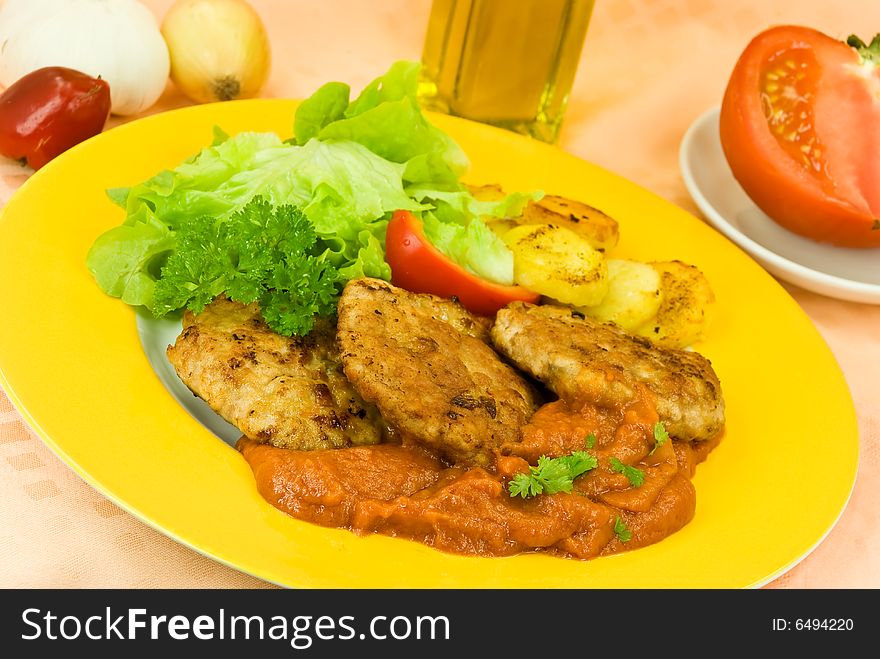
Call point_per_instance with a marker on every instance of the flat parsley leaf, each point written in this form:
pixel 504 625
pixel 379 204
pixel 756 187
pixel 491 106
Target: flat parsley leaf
pixel 660 436
pixel 623 533
pixel 635 476
pixel 262 253
pixel 552 475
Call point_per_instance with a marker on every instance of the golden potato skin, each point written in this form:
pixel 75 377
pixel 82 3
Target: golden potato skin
pixel 557 263
pixel 633 297
pixel 597 228
pixel 686 304
pixel 672 308
pixel 600 230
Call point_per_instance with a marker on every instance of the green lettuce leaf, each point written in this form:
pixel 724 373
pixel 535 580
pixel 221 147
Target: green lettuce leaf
pixel 349 166
pixel 387 119
pixel 345 190
pixel 125 261
pixel 325 106
pixel 457 228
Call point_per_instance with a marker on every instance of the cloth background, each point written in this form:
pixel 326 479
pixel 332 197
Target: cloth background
pixel 648 69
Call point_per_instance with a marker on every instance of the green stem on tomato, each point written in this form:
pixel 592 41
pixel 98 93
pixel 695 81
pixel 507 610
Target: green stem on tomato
pixel 868 52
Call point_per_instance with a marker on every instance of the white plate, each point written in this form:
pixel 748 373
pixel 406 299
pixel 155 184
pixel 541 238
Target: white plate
pixel 848 274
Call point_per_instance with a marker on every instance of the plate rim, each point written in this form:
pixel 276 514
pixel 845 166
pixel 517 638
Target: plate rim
pixel 104 489
pixel 806 277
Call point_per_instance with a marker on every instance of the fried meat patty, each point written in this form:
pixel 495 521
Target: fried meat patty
pixel 288 392
pixel 580 358
pixel 424 362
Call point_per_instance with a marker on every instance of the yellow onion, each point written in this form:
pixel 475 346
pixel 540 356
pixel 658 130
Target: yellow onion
pixel 219 49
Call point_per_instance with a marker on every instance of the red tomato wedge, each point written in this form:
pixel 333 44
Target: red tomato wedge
pixel 800 128
pixel 418 266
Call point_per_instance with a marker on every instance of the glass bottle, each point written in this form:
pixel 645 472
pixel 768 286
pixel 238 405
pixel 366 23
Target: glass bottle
pixel 510 63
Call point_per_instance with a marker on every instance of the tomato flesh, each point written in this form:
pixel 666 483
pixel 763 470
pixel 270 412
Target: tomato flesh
pixel 49 110
pixel 418 266
pixel 800 128
pixel 789 80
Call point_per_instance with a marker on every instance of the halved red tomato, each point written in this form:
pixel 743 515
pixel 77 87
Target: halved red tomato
pixel 418 266
pixel 800 128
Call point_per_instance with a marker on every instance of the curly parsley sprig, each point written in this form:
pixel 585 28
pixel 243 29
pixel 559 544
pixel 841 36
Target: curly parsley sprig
pixel 262 253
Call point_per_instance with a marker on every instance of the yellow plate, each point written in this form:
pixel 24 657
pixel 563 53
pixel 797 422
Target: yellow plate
pixel 73 364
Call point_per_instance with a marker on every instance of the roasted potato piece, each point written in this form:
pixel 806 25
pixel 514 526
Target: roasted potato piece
pixel 633 297
pixel 686 301
pixel 557 263
pixel 600 230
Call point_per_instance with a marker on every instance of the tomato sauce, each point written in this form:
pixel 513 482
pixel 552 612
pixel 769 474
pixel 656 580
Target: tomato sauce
pixel 405 491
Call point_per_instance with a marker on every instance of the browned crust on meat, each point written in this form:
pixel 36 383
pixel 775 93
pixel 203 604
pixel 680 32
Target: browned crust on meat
pixel 288 392
pixel 579 358
pixel 424 363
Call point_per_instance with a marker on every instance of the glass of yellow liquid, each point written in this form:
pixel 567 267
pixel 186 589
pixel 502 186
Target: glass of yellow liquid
pixel 509 63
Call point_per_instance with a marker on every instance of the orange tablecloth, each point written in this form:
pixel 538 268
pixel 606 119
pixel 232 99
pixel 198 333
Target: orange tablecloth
pixel 648 69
